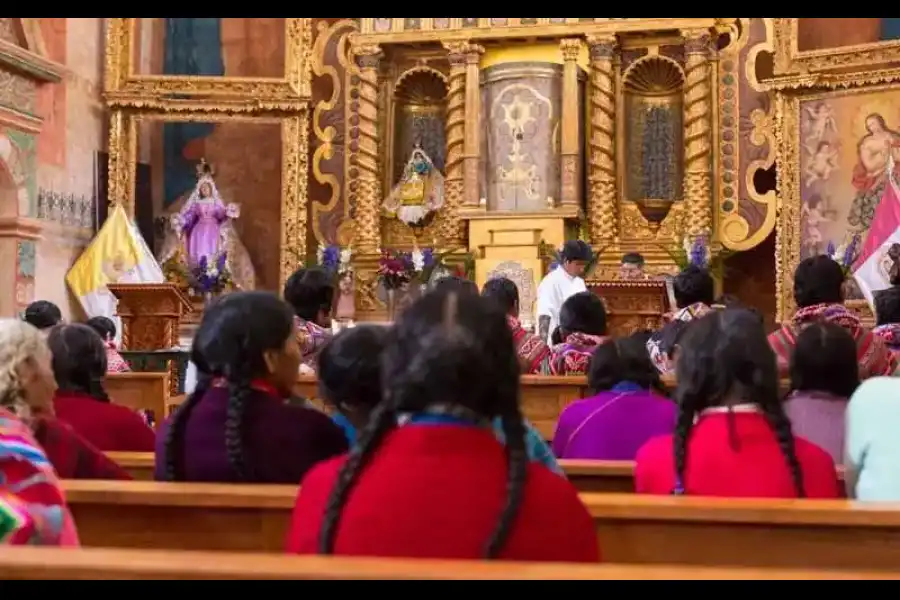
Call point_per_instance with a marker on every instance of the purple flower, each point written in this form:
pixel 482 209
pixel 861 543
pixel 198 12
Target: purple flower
pixel 331 259
pixel 697 255
pixel 830 249
pixel 428 257
pixel 850 253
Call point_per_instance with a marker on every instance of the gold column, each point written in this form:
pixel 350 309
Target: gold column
pixel 697 133
pixel 473 54
pixel 122 157
pixel 452 228
pixel 569 142
pixel 603 202
pixel 365 134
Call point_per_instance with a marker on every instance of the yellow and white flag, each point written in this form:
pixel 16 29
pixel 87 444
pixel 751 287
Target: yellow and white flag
pixel 117 254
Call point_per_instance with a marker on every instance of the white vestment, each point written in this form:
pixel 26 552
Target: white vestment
pixel 555 289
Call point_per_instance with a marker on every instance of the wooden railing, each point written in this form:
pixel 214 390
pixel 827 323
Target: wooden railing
pixel 631 528
pixel 56 564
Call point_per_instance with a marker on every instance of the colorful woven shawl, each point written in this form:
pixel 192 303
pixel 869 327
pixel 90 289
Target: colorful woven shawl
pixel 573 356
pixel 32 506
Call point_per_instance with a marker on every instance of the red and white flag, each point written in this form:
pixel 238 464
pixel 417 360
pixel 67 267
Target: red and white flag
pixel 871 269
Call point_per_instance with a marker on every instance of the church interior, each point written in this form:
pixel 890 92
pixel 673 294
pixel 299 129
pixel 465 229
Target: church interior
pixel 484 140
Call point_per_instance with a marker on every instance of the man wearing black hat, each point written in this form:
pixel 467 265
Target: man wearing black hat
pixel 562 282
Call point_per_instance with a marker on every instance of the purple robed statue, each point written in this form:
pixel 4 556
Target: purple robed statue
pixel 203 228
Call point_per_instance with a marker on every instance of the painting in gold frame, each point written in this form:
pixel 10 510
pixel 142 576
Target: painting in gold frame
pixel 122 79
pixel 790 60
pixel 832 164
pixel 123 144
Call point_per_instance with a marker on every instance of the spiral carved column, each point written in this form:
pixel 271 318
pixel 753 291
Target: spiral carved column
pixel 697 133
pixel 452 228
pixel 602 202
pixel 472 147
pixel 364 134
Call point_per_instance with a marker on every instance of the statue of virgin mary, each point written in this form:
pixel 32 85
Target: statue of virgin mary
pixel 204 228
pixel 420 192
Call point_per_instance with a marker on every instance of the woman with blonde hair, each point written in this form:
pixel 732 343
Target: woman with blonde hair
pixel 32 505
pixel 27 388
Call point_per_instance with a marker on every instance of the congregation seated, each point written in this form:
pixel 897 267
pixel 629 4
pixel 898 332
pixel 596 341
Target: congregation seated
pixel 694 291
pixel 33 509
pixel 818 292
pixel 732 437
pixel 349 374
pixel 441 485
pixel 823 377
pixel 27 388
pixel 582 327
pixel 628 408
pixel 310 292
pixel 106 329
pixel 532 351
pixel 79 366
pixel 236 426
pixel 43 315
pixel 871 441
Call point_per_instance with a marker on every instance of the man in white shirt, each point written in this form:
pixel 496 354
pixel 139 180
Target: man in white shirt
pixel 562 282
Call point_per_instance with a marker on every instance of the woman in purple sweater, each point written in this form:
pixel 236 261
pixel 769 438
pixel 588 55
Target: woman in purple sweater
pixel 236 425
pixel 628 407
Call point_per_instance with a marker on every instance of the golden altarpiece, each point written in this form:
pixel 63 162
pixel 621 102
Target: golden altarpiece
pixel 838 110
pixel 132 98
pixel 635 131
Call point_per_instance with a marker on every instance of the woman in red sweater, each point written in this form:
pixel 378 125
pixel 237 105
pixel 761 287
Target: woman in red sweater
pixel 440 485
pixel 732 437
pixel 79 364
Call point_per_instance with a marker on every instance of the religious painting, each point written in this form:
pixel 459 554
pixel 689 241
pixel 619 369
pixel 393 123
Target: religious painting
pixel 230 47
pixel 847 141
pixel 229 171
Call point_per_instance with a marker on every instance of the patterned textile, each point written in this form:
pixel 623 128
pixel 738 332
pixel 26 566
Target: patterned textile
pixel 32 505
pixel 531 349
pixel 573 356
pixel 873 354
pixel 311 338
pixel 660 344
pixel 890 333
pixel 114 361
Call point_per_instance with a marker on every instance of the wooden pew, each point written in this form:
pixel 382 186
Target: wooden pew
pixel 139 465
pixel 631 528
pixel 140 391
pixel 56 564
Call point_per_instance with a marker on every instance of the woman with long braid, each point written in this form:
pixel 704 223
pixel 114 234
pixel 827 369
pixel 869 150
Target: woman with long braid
pixel 440 484
pixel 79 365
pixel 236 426
pixel 732 437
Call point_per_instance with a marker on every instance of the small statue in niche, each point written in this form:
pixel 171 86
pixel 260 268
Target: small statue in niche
pixel 345 309
pixel 420 193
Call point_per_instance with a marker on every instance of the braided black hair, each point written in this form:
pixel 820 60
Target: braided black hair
pixel 454 350
pixel 174 442
pixel 79 360
pixel 235 333
pixel 725 358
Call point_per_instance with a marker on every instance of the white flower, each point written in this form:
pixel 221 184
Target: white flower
pixel 345 256
pixel 213 272
pixel 320 254
pixel 176 223
pixel 418 260
pixel 839 253
pixel 233 211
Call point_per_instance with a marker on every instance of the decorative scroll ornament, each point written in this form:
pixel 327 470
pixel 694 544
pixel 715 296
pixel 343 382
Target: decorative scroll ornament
pixel 418 196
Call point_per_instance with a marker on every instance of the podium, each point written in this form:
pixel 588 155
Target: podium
pixel 632 305
pixel 151 315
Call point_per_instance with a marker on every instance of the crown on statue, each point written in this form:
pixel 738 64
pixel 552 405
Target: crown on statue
pixel 204 169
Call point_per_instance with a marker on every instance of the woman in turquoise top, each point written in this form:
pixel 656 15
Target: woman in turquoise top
pixel 871 443
pixel 349 374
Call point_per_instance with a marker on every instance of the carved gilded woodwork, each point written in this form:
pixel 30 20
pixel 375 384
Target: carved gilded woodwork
pixel 791 61
pixel 603 196
pixel 454 180
pixel 121 80
pixel 132 97
pixel 697 133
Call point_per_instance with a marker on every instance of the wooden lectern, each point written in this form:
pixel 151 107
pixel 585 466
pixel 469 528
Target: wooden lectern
pixel 632 305
pixel 150 313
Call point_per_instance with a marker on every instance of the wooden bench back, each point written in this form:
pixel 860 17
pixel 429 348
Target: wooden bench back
pixel 630 528
pixel 55 564
pixel 140 391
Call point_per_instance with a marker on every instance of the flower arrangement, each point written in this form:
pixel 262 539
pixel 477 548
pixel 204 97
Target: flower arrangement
pixel 395 269
pixel 846 254
pixel 696 252
pixel 210 277
pixel 334 259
